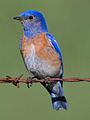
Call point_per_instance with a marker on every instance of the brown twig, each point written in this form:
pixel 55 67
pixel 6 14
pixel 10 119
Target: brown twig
pixel 16 80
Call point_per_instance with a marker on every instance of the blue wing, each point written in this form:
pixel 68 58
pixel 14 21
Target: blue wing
pixel 54 44
pixel 57 49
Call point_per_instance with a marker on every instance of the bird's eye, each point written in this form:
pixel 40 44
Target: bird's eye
pixel 31 17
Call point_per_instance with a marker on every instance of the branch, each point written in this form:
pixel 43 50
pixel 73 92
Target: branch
pixel 16 80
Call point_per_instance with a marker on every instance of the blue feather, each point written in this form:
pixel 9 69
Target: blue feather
pixel 54 44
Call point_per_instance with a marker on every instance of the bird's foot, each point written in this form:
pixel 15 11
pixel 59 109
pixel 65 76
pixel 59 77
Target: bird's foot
pixel 29 82
pixel 47 80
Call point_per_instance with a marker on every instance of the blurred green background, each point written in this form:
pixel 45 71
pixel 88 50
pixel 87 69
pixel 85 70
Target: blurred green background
pixel 69 22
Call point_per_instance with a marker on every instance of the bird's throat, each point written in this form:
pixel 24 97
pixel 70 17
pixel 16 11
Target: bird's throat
pixel 34 29
pixel 30 33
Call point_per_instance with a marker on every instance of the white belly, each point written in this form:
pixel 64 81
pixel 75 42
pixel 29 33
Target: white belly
pixel 37 66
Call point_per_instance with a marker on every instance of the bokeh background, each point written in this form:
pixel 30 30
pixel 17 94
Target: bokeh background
pixel 69 22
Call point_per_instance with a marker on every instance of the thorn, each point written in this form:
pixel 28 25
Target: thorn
pixel 8 77
pixel 16 81
pixel 20 77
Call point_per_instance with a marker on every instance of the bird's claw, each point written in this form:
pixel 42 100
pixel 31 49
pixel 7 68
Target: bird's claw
pixel 47 79
pixel 29 82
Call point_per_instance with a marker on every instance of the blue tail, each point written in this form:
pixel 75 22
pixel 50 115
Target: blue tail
pixel 58 99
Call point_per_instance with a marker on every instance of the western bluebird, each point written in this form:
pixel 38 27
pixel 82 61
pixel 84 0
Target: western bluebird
pixel 42 55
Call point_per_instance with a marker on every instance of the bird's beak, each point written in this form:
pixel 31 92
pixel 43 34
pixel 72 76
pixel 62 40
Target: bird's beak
pixel 17 18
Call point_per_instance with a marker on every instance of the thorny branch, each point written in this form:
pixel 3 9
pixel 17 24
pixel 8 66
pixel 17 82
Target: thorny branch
pixel 16 80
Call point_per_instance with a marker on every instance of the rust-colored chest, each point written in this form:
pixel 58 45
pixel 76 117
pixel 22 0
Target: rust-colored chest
pixel 43 49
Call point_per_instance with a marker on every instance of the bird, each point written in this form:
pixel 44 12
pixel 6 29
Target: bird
pixel 42 55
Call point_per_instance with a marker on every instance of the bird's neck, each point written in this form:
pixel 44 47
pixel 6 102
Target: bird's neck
pixel 34 29
pixel 30 33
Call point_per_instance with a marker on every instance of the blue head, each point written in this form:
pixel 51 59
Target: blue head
pixel 33 23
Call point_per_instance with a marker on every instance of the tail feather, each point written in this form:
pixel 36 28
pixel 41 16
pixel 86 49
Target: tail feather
pixel 58 99
pixel 59 102
pixel 57 95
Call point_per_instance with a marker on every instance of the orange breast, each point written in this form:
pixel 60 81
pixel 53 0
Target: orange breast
pixel 43 49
